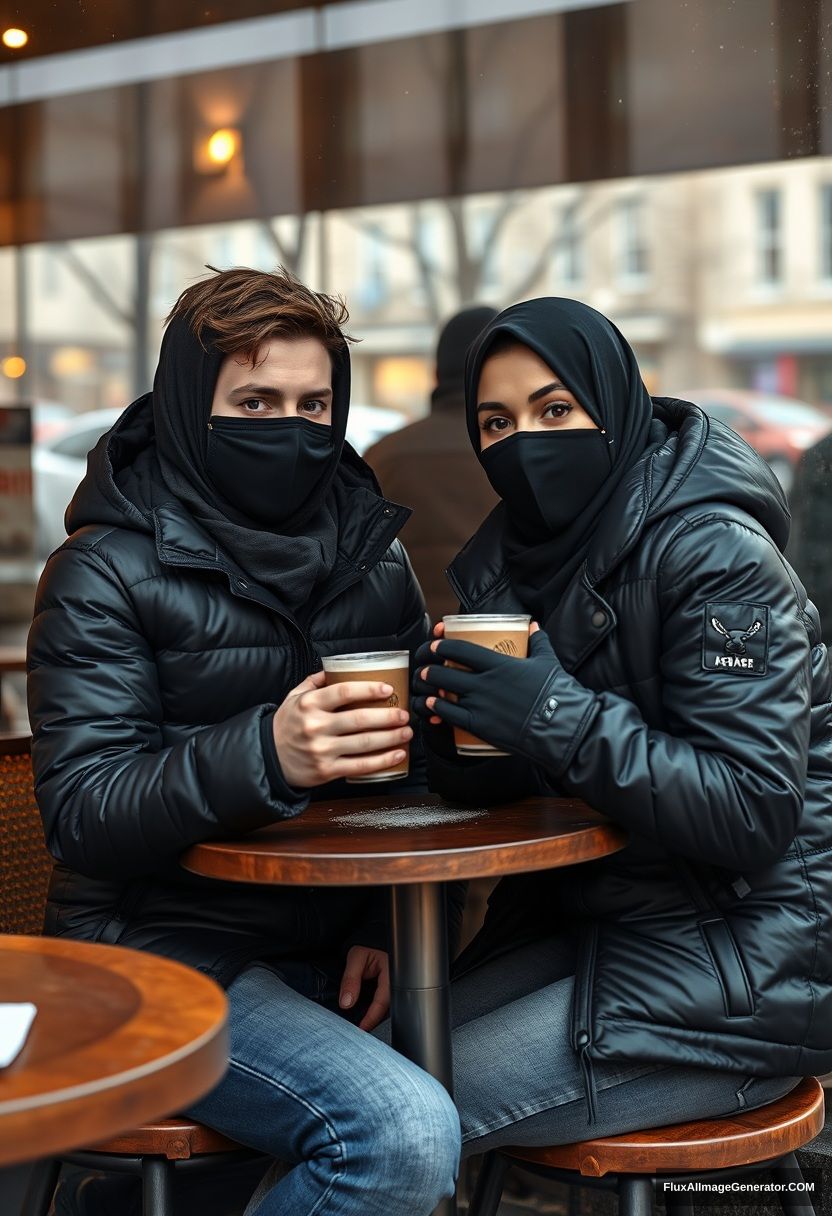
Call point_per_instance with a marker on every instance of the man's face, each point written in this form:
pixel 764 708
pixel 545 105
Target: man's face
pixel 292 378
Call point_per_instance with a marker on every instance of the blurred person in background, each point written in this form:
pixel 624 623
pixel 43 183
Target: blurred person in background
pixel 430 467
pixel 223 540
pixel 810 539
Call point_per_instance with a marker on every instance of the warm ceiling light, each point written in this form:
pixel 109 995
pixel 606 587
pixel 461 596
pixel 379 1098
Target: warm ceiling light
pixel 223 146
pixel 14 39
pixel 14 367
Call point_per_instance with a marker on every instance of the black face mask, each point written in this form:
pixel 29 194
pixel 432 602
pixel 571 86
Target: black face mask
pixel 548 480
pixel 267 468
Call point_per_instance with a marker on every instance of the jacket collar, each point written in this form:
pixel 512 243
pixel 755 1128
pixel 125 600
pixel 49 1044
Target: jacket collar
pixel 180 541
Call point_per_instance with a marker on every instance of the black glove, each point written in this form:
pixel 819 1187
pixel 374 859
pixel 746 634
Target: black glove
pixel 498 695
pixel 438 739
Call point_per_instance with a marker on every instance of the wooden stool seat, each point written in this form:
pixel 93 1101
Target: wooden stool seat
pixel 764 1134
pixel 176 1139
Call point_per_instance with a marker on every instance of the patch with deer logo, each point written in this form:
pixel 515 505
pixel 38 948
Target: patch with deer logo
pixel 735 638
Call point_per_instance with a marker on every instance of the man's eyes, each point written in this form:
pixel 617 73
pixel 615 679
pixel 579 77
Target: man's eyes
pixel 256 405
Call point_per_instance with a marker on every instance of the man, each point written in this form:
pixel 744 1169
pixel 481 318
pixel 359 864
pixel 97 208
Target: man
pixel 430 466
pixel 224 539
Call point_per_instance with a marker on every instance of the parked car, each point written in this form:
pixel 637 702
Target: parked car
pixel 779 428
pixel 58 463
pixel 60 460
pixel 50 419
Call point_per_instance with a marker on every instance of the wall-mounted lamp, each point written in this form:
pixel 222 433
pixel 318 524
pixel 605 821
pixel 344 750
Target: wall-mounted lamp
pixel 13 367
pixel 15 39
pixel 216 152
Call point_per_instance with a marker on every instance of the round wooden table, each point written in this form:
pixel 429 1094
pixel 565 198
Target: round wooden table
pixel 415 845
pixel 120 1037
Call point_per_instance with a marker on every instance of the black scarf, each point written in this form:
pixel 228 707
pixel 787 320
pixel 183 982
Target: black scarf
pixel 289 563
pixel 596 363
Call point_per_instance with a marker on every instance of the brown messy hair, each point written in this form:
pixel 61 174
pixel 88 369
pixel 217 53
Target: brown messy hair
pixel 240 310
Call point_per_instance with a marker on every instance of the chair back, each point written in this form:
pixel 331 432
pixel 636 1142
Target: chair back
pixel 25 865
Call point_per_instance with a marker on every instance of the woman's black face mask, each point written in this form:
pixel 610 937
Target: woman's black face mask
pixel 547 479
pixel 267 468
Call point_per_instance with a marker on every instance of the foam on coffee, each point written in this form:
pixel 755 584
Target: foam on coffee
pixel 382 660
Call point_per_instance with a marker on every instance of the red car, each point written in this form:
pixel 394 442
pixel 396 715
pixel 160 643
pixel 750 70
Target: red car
pixel 779 428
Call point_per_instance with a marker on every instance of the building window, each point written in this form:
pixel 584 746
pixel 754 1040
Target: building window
pixel 826 232
pixel 373 286
pixel 50 271
pixel 569 246
pixel 224 248
pixel 632 260
pixel 769 238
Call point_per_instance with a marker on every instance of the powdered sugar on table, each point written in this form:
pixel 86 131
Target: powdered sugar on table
pixel 409 817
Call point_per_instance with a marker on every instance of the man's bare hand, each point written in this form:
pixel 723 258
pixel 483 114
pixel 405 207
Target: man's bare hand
pixel 319 738
pixel 366 964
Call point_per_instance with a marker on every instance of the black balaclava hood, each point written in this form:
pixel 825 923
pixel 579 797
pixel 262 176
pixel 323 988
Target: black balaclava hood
pixel 288 557
pixel 456 337
pixel 547 536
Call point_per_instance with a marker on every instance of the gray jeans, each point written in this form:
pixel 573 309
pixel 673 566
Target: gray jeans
pixel 517 1078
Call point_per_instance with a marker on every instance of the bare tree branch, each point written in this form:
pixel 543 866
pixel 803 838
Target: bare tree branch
pixel 550 249
pixel 289 255
pixel 427 270
pixel 96 288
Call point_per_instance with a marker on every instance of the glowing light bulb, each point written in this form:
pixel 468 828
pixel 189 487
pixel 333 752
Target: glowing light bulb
pixel 13 367
pixel 14 39
pixel 223 145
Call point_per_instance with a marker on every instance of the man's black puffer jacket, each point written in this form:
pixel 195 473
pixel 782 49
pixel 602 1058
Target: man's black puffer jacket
pixel 708 940
pixel 154 668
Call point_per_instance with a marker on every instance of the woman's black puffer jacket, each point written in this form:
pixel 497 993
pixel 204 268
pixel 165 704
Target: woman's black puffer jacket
pixel 153 662
pixel 693 707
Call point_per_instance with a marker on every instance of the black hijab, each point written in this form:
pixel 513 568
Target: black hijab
pixel 289 563
pixel 596 363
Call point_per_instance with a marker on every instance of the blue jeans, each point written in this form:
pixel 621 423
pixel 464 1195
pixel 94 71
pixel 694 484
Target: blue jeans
pixel 517 1078
pixel 365 1132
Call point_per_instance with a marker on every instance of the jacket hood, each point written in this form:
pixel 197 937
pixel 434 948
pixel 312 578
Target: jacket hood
pixel 691 461
pixel 98 500
pixel 701 461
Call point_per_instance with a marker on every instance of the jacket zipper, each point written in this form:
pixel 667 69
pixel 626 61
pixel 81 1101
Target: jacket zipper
pixel 699 897
pixel 582 1021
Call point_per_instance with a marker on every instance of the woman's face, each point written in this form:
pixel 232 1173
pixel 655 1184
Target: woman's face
pixel 519 392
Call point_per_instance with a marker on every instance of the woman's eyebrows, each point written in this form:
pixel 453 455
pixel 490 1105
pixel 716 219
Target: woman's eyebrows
pixel 547 388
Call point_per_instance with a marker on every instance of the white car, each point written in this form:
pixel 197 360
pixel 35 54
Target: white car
pixel 60 461
pixel 58 464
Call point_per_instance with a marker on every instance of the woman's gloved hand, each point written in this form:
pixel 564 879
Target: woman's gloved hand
pixel 437 735
pixel 495 698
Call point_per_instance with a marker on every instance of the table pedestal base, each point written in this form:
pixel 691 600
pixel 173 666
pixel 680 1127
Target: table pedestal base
pixel 420 1008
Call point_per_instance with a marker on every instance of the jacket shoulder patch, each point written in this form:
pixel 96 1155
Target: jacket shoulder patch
pixel 735 638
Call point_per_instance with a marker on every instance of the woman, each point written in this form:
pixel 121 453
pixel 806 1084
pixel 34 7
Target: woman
pixel 677 683
pixel 224 538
